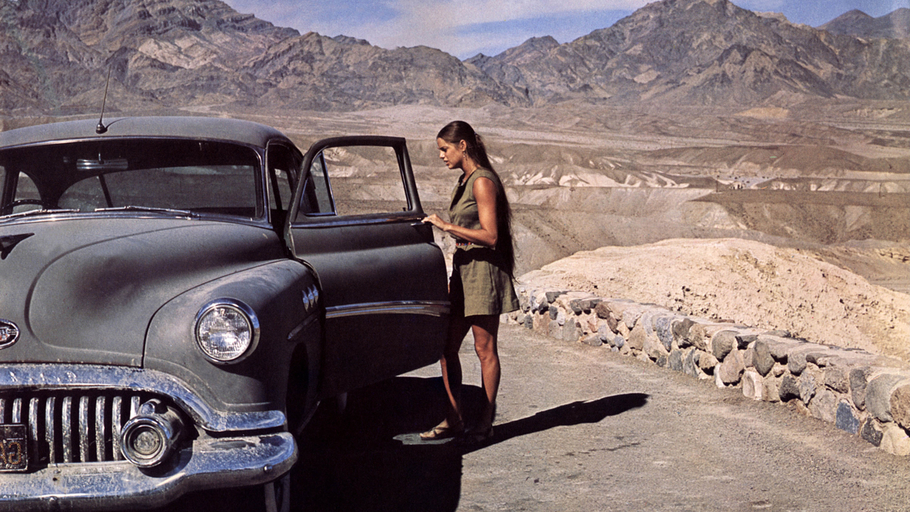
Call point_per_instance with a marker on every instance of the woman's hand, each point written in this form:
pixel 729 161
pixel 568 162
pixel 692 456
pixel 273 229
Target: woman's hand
pixel 436 221
pixel 485 195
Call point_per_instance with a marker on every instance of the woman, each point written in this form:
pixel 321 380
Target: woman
pixel 480 288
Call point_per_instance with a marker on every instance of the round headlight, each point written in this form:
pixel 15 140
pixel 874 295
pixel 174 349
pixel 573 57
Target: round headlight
pixel 226 330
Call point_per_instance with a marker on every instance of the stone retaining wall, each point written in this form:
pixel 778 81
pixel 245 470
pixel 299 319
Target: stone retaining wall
pixel 859 392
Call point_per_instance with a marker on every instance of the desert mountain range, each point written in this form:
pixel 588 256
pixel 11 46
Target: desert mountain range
pixel 710 159
pixel 56 55
pixel 857 23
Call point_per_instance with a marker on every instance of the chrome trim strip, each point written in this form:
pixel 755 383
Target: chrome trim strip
pixel 100 427
pixel 83 429
pixel 135 402
pixel 117 425
pixel 77 377
pixel 67 429
pixel 50 428
pixel 404 307
pixel 33 424
pixel 303 325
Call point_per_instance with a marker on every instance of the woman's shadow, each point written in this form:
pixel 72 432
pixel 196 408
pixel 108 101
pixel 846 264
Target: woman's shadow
pixel 370 457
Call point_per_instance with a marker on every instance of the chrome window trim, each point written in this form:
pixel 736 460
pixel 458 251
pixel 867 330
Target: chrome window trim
pixel 212 217
pixel 335 221
pixel 404 307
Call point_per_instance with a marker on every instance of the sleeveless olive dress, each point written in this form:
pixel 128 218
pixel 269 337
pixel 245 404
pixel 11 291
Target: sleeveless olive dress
pixel 479 283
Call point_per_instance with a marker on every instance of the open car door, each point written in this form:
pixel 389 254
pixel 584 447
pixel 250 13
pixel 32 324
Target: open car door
pixel 355 218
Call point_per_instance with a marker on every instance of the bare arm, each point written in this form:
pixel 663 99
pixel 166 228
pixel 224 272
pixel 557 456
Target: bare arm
pixel 485 195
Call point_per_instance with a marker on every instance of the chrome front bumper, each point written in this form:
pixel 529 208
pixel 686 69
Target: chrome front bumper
pixel 83 469
pixel 208 464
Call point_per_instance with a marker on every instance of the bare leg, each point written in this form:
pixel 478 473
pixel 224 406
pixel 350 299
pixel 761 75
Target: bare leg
pixel 451 378
pixel 486 331
pixel 451 366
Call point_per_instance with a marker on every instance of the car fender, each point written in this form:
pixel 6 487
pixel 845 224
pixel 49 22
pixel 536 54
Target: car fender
pixel 284 296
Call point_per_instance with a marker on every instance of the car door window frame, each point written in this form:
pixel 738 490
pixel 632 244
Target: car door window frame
pixel 329 198
pixel 316 151
pixel 278 156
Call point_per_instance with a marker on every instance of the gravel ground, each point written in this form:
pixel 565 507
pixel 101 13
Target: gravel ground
pixel 580 428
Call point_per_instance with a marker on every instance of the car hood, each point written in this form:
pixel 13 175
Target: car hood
pixel 84 290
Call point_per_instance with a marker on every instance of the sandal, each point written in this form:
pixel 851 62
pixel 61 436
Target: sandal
pixel 479 435
pixel 443 431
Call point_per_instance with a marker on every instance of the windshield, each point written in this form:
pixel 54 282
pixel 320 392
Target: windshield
pixel 135 174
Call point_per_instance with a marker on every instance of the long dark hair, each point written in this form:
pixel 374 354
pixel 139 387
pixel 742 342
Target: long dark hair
pixel 458 131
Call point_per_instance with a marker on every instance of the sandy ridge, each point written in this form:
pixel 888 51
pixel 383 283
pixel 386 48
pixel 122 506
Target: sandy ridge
pixel 746 282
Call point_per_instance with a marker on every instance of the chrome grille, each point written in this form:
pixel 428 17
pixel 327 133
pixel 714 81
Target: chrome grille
pixel 66 427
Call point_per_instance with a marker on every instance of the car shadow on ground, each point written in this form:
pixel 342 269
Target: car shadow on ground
pixel 371 458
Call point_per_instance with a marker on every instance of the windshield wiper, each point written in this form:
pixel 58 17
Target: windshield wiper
pixel 148 209
pixel 30 213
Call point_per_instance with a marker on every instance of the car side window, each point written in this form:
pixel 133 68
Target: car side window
pixel 26 195
pixel 354 180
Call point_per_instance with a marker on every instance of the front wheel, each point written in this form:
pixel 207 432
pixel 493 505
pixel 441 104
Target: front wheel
pixel 278 494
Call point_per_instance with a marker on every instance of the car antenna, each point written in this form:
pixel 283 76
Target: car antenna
pixel 101 128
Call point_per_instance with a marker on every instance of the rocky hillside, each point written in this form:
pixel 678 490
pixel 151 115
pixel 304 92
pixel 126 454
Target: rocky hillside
pixel 56 53
pixel 195 53
pixel 316 72
pixel 704 52
pixel 857 23
pixel 178 53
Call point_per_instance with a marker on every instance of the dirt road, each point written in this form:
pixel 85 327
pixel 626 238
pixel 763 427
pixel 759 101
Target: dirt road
pixel 579 428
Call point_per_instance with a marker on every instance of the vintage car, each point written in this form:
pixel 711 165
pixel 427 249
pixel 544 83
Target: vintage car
pixel 179 293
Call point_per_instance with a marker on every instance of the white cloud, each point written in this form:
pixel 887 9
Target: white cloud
pixel 458 13
pixel 456 27
pixel 451 25
pixel 462 28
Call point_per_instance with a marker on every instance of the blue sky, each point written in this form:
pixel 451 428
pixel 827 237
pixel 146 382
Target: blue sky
pixel 466 28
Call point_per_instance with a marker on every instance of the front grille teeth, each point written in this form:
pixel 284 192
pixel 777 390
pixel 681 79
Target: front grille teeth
pixel 72 428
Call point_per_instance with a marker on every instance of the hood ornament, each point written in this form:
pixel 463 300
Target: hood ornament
pixel 9 333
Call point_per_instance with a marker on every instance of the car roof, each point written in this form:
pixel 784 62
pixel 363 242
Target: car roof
pixel 208 128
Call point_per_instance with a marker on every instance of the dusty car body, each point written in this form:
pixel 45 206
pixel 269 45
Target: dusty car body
pixel 179 293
